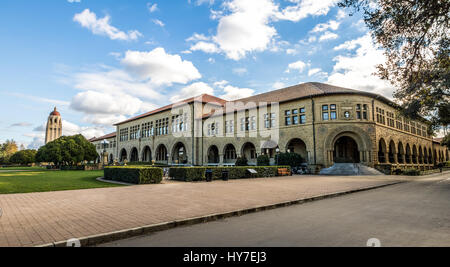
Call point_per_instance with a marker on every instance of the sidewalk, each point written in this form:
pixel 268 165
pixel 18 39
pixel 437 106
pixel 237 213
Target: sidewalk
pixel 42 218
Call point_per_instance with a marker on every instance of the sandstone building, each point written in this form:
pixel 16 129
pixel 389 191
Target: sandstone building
pixel 53 130
pixel 324 124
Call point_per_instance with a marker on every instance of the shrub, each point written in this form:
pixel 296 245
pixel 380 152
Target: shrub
pixel 398 172
pixel 263 160
pixel 241 161
pixel 289 159
pixel 190 174
pixel 411 172
pixel 134 175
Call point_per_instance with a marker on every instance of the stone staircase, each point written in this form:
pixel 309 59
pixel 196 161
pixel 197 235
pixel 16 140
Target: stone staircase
pixel 347 169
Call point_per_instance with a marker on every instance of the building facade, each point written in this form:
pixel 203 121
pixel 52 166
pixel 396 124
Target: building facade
pixel 53 130
pixel 324 124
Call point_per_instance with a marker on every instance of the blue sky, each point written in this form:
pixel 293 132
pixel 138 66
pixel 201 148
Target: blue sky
pixel 101 61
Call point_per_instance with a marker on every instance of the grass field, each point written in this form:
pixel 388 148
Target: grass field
pixel 22 169
pixel 12 182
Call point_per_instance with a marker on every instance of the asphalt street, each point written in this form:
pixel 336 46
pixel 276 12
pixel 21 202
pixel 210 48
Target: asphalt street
pixel 416 213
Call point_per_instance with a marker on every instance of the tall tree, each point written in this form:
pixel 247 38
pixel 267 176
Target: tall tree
pixel 67 150
pixel 416 38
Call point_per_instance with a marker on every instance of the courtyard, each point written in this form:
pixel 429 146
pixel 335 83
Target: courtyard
pixel 43 218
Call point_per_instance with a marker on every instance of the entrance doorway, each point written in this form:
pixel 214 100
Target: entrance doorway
pixel 346 151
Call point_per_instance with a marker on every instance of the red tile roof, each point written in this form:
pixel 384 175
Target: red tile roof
pixel 205 98
pixel 305 90
pixel 108 136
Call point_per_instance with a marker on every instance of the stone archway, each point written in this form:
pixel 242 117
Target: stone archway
pixel 161 153
pixel 134 155
pixel 298 146
pixel 392 153
pixel 408 154
pixel 230 155
pixel 123 155
pixel 414 155
pixel 382 151
pixel 179 154
pixel 346 150
pixel 213 155
pixel 147 154
pixel 361 137
pixel 401 153
pixel 420 155
pixel 249 152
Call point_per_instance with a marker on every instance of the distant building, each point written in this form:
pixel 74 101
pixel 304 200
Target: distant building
pixel 53 130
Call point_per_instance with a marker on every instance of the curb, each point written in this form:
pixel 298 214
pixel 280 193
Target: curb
pixel 133 232
pixel 103 180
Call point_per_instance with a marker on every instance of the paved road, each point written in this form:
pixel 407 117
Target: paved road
pixel 416 213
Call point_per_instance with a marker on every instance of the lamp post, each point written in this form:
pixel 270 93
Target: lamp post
pixel 278 154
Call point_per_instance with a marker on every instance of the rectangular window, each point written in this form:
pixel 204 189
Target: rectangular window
pixel 273 118
pixel 325 116
pixel 287 113
pixel 295 112
pixel 302 119
pixel 242 125
pixel 253 123
pixel 325 108
pixel 295 120
pixel 266 121
pixel 288 121
pixel 333 115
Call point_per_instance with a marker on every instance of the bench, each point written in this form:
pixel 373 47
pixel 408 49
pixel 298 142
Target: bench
pixel 283 172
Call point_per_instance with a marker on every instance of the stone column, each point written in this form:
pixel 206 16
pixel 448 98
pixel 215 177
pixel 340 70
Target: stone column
pixel 221 159
pixel 395 158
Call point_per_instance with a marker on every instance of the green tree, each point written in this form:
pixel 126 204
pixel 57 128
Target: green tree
pixel 263 160
pixel 7 149
pixel 446 141
pixel 289 159
pixel 69 150
pixel 24 157
pixel 416 40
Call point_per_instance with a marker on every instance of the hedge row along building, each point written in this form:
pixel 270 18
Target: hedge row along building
pixel 324 124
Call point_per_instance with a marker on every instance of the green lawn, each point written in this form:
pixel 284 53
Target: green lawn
pixel 22 169
pixel 44 181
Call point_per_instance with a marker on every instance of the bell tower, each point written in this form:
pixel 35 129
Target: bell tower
pixel 54 127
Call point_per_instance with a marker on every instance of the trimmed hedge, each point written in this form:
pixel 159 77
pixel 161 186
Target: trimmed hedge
pixel 190 174
pixel 411 172
pixel 134 175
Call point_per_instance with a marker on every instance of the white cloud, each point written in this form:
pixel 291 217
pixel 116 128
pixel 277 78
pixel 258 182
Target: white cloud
pixel 304 8
pixel 278 85
pixel 234 93
pixel 299 66
pixel 161 68
pixel 357 71
pixel 312 72
pixel 92 102
pixel 70 129
pixel 328 36
pixel 198 37
pixel 152 7
pixel 159 23
pixel 240 71
pixel 331 25
pixel 221 84
pixel 109 94
pixel 209 48
pixel 193 90
pixel 247 28
pixel 102 26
